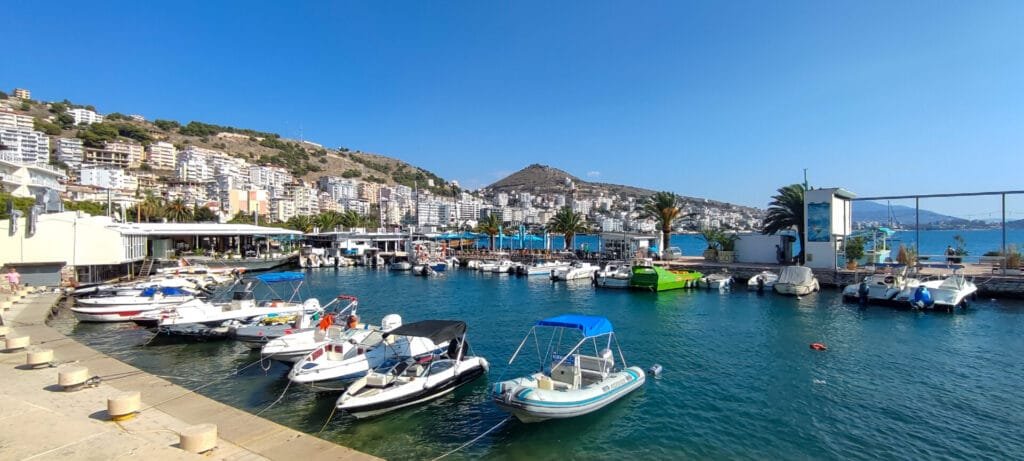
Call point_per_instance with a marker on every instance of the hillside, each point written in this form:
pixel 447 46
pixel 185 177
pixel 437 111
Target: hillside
pixel 305 160
pixel 543 179
pixel 878 212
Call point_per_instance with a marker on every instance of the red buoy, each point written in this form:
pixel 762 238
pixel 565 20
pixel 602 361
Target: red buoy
pixel 818 347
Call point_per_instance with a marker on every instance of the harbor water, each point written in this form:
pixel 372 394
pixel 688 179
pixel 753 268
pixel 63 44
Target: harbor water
pixel 739 380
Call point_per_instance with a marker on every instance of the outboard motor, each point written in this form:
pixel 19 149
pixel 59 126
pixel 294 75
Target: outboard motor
pixel 922 298
pixel 760 284
pixel 390 322
pixel 862 293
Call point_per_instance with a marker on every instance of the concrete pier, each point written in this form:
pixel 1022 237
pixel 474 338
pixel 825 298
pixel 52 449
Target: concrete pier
pixel 41 421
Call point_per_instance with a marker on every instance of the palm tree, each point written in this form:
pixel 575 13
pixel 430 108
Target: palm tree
pixel 785 211
pixel 490 227
pixel 301 223
pixel 569 223
pixel 203 214
pixel 149 208
pixel 178 211
pixel 663 207
pixel 329 220
pixel 351 218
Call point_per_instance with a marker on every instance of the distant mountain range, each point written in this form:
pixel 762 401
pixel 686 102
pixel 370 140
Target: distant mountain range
pixel 878 212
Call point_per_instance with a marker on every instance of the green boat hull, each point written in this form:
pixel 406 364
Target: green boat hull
pixel 661 279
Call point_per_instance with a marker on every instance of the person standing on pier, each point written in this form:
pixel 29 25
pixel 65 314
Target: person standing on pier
pixel 14 279
pixel 950 252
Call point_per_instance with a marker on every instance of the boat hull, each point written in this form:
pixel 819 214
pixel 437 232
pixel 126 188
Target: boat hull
pixel 365 408
pixel 530 404
pixel 794 289
pixel 660 279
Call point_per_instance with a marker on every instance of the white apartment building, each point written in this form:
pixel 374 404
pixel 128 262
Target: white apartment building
pixel 117 154
pixel 339 188
pixel 70 151
pixel 9 119
pixel 369 191
pixel 28 180
pixel 306 201
pixel 108 178
pixel 133 151
pixel 428 213
pixel 24 146
pixel 190 193
pixel 328 203
pixel 194 165
pixel 281 209
pixel 359 206
pixel 501 199
pixel 85 116
pixel 270 178
pixel 611 225
pixel 162 155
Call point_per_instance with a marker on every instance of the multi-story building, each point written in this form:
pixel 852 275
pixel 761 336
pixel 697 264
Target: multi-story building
pixel 359 206
pixel 108 178
pixel 84 116
pixel 70 151
pixel 249 201
pixel 339 188
pixel 611 225
pixel 270 178
pixel 22 93
pixel 133 151
pixel 116 154
pixel 189 192
pixel 23 145
pixel 9 119
pixel 162 155
pixel 369 191
pixel 22 179
pixel 305 198
pixel 328 203
pixel 428 213
pixel 281 209
pixel 194 165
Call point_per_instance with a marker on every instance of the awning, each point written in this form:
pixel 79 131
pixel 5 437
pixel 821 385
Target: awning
pixel 437 331
pixel 276 277
pixel 588 324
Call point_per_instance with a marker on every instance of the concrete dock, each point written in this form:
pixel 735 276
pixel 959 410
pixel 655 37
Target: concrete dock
pixel 42 421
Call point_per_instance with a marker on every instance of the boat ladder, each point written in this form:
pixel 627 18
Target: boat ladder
pixel 147 267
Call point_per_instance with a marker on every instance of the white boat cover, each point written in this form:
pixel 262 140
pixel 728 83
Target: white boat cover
pixel 796 275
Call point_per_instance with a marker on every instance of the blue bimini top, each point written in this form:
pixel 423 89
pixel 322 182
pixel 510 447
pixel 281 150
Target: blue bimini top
pixel 588 324
pixel 275 277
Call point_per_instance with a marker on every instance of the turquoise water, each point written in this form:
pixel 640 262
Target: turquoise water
pixel 739 380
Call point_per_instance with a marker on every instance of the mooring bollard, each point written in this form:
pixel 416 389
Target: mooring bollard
pixel 124 405
pixel 73 378
pixel 14 343
pixel 199 438
pixel 39 358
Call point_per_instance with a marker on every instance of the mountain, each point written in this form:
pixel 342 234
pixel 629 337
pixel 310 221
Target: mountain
pixel 878 212
pixel 542 179
pixel 1018 224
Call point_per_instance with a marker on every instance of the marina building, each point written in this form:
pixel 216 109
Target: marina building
pixel 85 116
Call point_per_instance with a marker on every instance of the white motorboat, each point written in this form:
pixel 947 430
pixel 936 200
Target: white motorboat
pixel 294 347
pixel 763 280
pixel 502 267
pixel 400 265
pixel 487 266
pixel 334 364
pixel 148 298
pixel 720 281
pixel 571 384
pixel 407 381
pixel 541 267
pixel 943 293
pixel 133 289
pixel 257 334
pixel 614 275
pixel 575 271
pixel 796 281
pixel 111 313
pixel 882 287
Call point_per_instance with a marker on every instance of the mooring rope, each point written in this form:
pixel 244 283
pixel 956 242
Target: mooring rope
pixel 329 417
pixel 488 431
pixel 285 391
pixel 234 373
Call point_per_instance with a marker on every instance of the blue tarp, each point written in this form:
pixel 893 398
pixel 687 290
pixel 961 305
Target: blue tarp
pixel 166 291
pixel 275 277
pixel 589 325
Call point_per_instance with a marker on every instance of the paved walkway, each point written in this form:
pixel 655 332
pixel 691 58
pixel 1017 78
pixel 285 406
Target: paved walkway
pixel 40 421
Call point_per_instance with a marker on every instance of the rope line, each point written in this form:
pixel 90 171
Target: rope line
pixel 285 391
pixel 329 417
pixel 236 372
pixel 488 431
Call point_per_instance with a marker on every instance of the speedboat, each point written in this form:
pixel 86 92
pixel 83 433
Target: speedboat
pixel 541 267
pixel 882 287
pixel 614 275
pixel 502 267
pixel 796 281
pixel 410 380
pixel 333 365
pixel 944 293
pixel 575 271
pixel 261 332
pixel 720 281
pixel 765 279
pixel 400 265
pixel 294 347
pixel 571 383
pixel 124 308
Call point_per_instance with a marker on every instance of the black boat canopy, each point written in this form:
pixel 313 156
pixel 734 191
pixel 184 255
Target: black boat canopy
pixel 437 331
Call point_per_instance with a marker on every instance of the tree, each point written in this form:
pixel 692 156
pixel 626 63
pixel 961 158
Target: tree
pixel 65 120
pixel 328 220
pixel 203 214
pixel 166 125
pixel 178 211
pixel 490 226
pixel 301 223
pixel 663 207
pixel 568 223
pixel 149 208
pixel 350 218
pixel 242 218
pixel 785 211
pixel 49 128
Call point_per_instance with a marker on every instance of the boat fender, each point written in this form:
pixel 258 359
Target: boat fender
pixel 818 347
pixel 353 321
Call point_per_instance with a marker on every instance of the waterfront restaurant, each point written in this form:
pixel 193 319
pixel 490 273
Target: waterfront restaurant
pixel 67 247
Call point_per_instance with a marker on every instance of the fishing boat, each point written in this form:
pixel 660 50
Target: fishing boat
pixel 410 380
pixel 614 275
pixel 720 281
pixel 569 384
pixel 762 280
pixel 796 281
pixel 257 334
pixel 190 318
pixel 576 271
pixel 949 292
pixel 882 287
pixel 656 278
pixel 333 365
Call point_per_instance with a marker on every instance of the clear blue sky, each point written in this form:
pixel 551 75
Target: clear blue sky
pixel 726 100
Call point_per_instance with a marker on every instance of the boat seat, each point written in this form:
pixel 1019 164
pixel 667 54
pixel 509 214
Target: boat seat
pixel 377 380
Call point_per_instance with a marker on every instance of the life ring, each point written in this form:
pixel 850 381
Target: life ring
pixel 818 347
pixel 353 321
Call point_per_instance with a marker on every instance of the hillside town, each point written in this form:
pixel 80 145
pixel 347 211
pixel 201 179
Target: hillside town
pixel 121 171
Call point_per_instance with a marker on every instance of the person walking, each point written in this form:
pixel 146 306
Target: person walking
pixel 13 279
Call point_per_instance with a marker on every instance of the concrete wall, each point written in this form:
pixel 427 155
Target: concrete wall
pixel 757 248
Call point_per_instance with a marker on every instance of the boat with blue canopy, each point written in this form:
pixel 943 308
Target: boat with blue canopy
pixel 571 383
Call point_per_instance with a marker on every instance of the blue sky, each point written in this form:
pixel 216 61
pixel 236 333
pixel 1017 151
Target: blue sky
pixel 725 100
